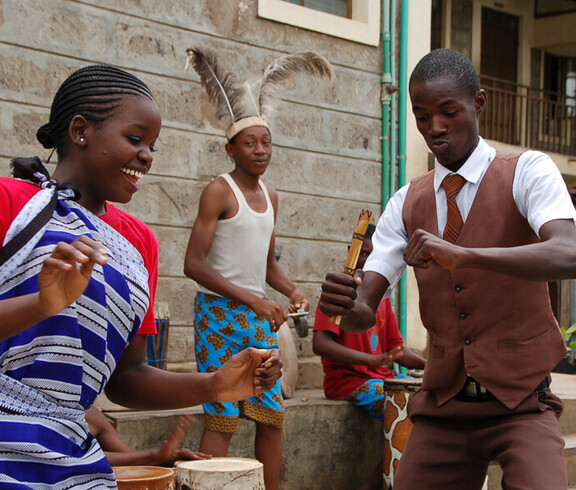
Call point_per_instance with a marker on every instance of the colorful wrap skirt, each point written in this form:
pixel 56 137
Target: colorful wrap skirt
pixel 222 328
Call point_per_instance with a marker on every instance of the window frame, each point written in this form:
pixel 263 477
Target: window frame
pixel 363 27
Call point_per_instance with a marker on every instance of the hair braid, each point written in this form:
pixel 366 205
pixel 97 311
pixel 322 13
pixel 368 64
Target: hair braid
pixel 92 92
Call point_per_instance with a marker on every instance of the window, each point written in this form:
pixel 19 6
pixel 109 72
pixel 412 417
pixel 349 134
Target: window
pixel 336 7
pixel 355 20
pixel 546 7
pixel 436 38
pixel 560 95
pixel 571 92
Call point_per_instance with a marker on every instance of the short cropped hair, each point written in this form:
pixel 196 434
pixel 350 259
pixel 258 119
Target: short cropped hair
pixel 370 231
pixel 93 92
pixel 443 62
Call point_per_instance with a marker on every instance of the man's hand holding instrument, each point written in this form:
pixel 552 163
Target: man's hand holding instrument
pixel 355 247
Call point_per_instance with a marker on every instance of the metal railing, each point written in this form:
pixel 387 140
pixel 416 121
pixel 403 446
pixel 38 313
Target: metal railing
pixel 532 118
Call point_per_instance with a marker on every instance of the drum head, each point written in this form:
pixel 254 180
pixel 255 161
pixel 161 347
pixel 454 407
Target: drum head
pixel 220 464
pixel 410 384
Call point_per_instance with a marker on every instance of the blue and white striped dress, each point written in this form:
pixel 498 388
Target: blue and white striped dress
pixel 51 373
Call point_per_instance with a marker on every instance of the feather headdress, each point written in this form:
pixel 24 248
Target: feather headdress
pixel 250 103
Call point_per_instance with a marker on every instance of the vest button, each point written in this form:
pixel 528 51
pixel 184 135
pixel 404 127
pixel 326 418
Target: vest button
pixel 458 289
pixel 467 341
pixel 463 316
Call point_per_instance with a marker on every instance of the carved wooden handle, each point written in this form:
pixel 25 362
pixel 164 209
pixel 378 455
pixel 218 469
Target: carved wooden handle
pixel 355 247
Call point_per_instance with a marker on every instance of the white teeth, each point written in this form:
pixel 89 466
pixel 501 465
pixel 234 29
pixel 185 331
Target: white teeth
pixel 128 171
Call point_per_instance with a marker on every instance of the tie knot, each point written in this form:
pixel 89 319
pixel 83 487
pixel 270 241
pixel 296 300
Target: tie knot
pixel 452 184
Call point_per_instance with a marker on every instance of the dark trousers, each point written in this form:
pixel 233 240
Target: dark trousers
pixel 451 446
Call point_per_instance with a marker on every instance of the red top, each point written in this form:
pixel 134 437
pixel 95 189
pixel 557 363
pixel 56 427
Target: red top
pixel 340 379
pixel 14 194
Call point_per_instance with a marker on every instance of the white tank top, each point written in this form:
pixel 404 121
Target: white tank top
pixel 240 247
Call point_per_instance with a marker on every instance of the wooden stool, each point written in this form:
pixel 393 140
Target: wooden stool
pixel 144 477
pixel 397 425
pixel 220 474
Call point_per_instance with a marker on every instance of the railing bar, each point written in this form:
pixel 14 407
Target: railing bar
pixel 536 118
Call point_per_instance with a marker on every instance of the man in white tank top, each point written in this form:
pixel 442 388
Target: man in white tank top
pixel 231 257
pixel 231 253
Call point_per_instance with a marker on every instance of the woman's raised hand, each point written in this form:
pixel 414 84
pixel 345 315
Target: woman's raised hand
pixel 66 273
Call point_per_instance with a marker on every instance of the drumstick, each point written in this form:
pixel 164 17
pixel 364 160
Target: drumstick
pixel 355 247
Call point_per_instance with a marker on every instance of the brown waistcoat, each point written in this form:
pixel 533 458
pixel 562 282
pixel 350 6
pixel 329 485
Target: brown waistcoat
pixel 498 329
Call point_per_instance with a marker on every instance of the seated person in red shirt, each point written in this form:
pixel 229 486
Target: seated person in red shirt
pixel 355 364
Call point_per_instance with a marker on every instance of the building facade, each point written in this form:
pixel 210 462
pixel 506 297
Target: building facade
pixel 339 146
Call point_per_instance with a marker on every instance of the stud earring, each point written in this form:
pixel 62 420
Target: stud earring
pixel 82 140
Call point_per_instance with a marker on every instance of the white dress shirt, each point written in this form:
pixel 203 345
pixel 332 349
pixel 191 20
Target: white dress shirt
pixel 539 191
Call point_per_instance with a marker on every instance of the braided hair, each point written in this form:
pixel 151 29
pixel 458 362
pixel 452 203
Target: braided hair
pixel 447 63
pixel 92 92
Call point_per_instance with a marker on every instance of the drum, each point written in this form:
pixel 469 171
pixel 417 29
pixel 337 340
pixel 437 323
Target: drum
pixel 221 474
pixel 289 378
pixel 397 425
pixel 144 478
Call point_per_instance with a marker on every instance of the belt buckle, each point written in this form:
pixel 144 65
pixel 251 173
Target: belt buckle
pixel 473 389
pixel 470 389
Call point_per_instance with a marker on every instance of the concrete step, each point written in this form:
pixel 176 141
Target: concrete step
pixel 310 373
pixel 564 386
pixel 328 444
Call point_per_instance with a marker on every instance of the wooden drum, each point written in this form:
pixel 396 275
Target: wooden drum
pixel 144 478
pixel 397 425
pixel 220 474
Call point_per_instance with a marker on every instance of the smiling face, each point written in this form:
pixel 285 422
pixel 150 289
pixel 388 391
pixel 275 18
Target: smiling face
pixel 117 153
pixel 447 118
pixel 251 150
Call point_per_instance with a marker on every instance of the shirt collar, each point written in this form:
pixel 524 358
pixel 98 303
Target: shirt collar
pixel 473 168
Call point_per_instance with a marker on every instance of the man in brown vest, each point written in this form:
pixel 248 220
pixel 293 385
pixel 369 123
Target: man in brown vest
pixel 484 232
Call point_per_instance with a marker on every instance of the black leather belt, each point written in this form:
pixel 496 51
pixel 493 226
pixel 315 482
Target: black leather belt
pixel 473 391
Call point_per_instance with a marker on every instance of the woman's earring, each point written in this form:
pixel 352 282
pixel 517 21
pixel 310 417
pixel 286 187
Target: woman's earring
pixel 82 139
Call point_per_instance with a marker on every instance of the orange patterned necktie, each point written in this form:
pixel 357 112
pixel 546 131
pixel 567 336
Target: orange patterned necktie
pixel 452 185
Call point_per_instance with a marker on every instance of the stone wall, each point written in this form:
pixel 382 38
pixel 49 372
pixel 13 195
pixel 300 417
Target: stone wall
pixel 326 134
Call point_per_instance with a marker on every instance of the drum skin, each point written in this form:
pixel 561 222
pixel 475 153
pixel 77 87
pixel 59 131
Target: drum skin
pixel 220 473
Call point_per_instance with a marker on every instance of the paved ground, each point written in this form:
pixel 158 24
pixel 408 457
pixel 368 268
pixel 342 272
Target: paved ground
pixel 564 385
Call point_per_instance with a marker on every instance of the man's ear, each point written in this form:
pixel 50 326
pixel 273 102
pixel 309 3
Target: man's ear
pixel 480 101
pixel 77 130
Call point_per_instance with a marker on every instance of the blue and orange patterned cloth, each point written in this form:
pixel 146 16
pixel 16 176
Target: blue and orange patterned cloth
pixel 370 397
pixel 222 328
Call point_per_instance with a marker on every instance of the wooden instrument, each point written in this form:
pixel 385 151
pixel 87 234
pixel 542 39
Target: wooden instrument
pixel 221 473
pixel 397 425
pixel 355 247
pixel 289 379
pixel 139 477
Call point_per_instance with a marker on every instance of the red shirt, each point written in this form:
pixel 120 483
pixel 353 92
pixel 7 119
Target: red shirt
pixel 14 194
pixel 340 379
